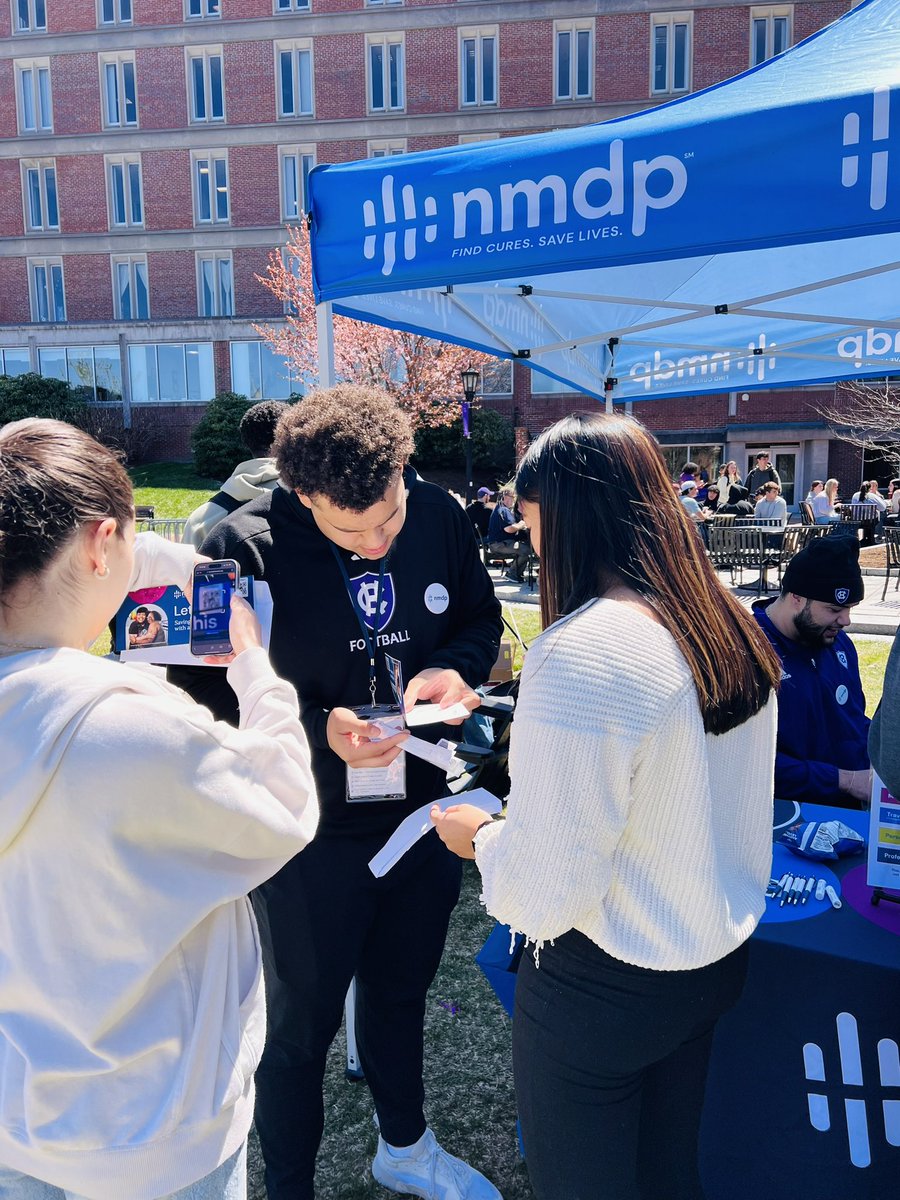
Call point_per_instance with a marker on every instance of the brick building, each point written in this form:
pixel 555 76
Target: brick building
pixel 152 151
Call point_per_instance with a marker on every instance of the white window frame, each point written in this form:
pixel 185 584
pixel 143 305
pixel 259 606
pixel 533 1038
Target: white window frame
pixel 209 10
pixel 204 55
pixel 118 62
pixel 298 153
pixel 385 147
pixel 669 21
pixel 118 17
pixel 769 13
pixel 386 41
pixel 133 262
pixel 39 99
pixel 295 48
pixel 290 6
pixel 42 166
pixel 216 258
pixel 48 263
pixel 32 9
pixel 126 162
pixel 381 3
pixel 478 34
pixel 210 157
pixel 573 28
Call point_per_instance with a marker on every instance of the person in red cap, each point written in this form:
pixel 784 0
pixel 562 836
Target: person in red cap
pixel 821 753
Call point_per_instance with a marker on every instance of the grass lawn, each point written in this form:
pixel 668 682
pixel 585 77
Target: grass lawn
pixel 174 489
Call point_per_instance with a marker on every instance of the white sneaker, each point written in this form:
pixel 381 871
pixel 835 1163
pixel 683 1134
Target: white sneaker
pixel 433 1174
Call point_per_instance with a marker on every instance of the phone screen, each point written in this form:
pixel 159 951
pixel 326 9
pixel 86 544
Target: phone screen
pixel 214 585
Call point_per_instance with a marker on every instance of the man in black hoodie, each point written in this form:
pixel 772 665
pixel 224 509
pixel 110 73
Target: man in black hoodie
pixel 362 559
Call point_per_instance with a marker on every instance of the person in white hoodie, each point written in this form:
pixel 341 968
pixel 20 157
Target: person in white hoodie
pixel 132 827
pixel 249 479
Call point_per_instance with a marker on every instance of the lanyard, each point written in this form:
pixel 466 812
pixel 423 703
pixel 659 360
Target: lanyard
pixel 369 638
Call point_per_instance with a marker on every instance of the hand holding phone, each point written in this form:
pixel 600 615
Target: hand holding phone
pixel 214 584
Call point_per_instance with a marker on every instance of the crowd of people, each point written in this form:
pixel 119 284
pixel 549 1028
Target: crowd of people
pixel 149 1011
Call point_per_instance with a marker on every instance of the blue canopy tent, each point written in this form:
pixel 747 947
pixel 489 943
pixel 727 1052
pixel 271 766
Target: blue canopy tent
pixel 746 236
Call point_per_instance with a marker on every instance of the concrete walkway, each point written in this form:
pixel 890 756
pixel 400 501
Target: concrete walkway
pixel 872 616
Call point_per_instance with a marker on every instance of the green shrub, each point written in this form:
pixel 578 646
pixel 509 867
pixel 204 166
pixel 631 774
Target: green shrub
pixel 493 443
pixel 216 439
pixel 33 395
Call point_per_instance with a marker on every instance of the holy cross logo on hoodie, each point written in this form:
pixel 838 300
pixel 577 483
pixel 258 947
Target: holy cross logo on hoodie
pixel 365 596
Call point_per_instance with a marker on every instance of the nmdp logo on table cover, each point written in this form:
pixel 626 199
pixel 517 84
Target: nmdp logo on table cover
pixel 855 1113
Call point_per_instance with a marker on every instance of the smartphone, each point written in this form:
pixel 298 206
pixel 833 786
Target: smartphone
pixel 214 585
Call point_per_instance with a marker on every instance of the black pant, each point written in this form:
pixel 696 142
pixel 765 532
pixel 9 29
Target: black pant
pixel 610 1066
pixel 323 919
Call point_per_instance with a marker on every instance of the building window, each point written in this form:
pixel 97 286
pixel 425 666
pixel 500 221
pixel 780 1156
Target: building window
pixel 574 68
pixel 115 12
pixel 472 139
pixel 386 147
pixel 294 68
pixel 260 374
pixel 33 95
pixel 123 180
pixel 770 32
pixel 215 288
pixel 31 16
pixel 131 293
pixel 195 9
pixel 707 458
pixel 14 360
pixel 381 3
pixel 478 66
pixel 670 53
pixel 39 186
pixel 119 91
pixel 171 372
pixel 48 297
pixel 385 65
pixel 496 378
pixel 96 371
pixel 211 188
pixel 296 164
pixel 205 84
pixel 291 6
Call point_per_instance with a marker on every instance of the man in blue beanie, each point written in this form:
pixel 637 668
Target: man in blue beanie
pixel 821 753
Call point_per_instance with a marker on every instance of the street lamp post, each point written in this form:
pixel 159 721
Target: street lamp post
pixel 469 379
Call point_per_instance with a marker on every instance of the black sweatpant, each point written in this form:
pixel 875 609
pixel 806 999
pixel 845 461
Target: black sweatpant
pixel 610 1064
pixel 324 918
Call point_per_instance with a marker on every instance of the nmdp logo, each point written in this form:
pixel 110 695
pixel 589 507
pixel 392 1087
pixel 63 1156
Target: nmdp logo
pixel 365 596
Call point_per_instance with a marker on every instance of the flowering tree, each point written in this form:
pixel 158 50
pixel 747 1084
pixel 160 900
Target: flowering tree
pixel 421 374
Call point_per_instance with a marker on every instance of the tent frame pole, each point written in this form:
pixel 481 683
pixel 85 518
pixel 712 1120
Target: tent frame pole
pixel 325 331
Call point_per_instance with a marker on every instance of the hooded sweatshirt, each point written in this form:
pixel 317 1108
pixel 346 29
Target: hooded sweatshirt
pixel 132 826
pixel 247 481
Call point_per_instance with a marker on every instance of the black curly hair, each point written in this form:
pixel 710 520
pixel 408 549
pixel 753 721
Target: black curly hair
pixel 257 426
pixel 345 443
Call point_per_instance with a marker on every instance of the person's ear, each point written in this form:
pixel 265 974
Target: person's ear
pixel 304 500
pixel 98 542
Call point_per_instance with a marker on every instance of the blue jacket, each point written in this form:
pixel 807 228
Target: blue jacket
pixel 822 722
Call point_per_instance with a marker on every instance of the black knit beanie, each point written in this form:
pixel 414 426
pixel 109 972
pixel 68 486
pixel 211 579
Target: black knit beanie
pixel 827 570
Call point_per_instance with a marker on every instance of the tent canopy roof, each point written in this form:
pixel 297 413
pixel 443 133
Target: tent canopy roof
pixel 743 237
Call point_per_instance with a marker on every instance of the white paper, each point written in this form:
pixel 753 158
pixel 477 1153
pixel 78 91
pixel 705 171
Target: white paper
pixel 433 714
pixel 417 824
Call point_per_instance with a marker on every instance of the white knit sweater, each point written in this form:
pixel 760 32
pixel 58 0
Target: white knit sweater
pixel 616 823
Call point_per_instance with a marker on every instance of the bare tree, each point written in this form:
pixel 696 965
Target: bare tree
pixel 866 413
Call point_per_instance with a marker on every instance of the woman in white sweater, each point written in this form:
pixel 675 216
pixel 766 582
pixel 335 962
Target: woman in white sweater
pixel 132 827
pixel 635 884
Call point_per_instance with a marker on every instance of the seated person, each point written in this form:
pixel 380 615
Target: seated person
pixel 507 536
pixel 771 506
pixel 821 752
pixel 738 504
pixel 688 494
pixel 479 512
pixel 713 496
pixel 823 504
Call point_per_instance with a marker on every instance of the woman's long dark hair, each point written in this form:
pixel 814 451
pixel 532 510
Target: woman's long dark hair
pixel 609 514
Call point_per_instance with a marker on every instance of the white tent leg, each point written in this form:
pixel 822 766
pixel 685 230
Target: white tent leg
pixel 325 330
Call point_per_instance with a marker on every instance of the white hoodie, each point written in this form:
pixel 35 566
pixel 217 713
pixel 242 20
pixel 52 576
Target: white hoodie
pixel 132 825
